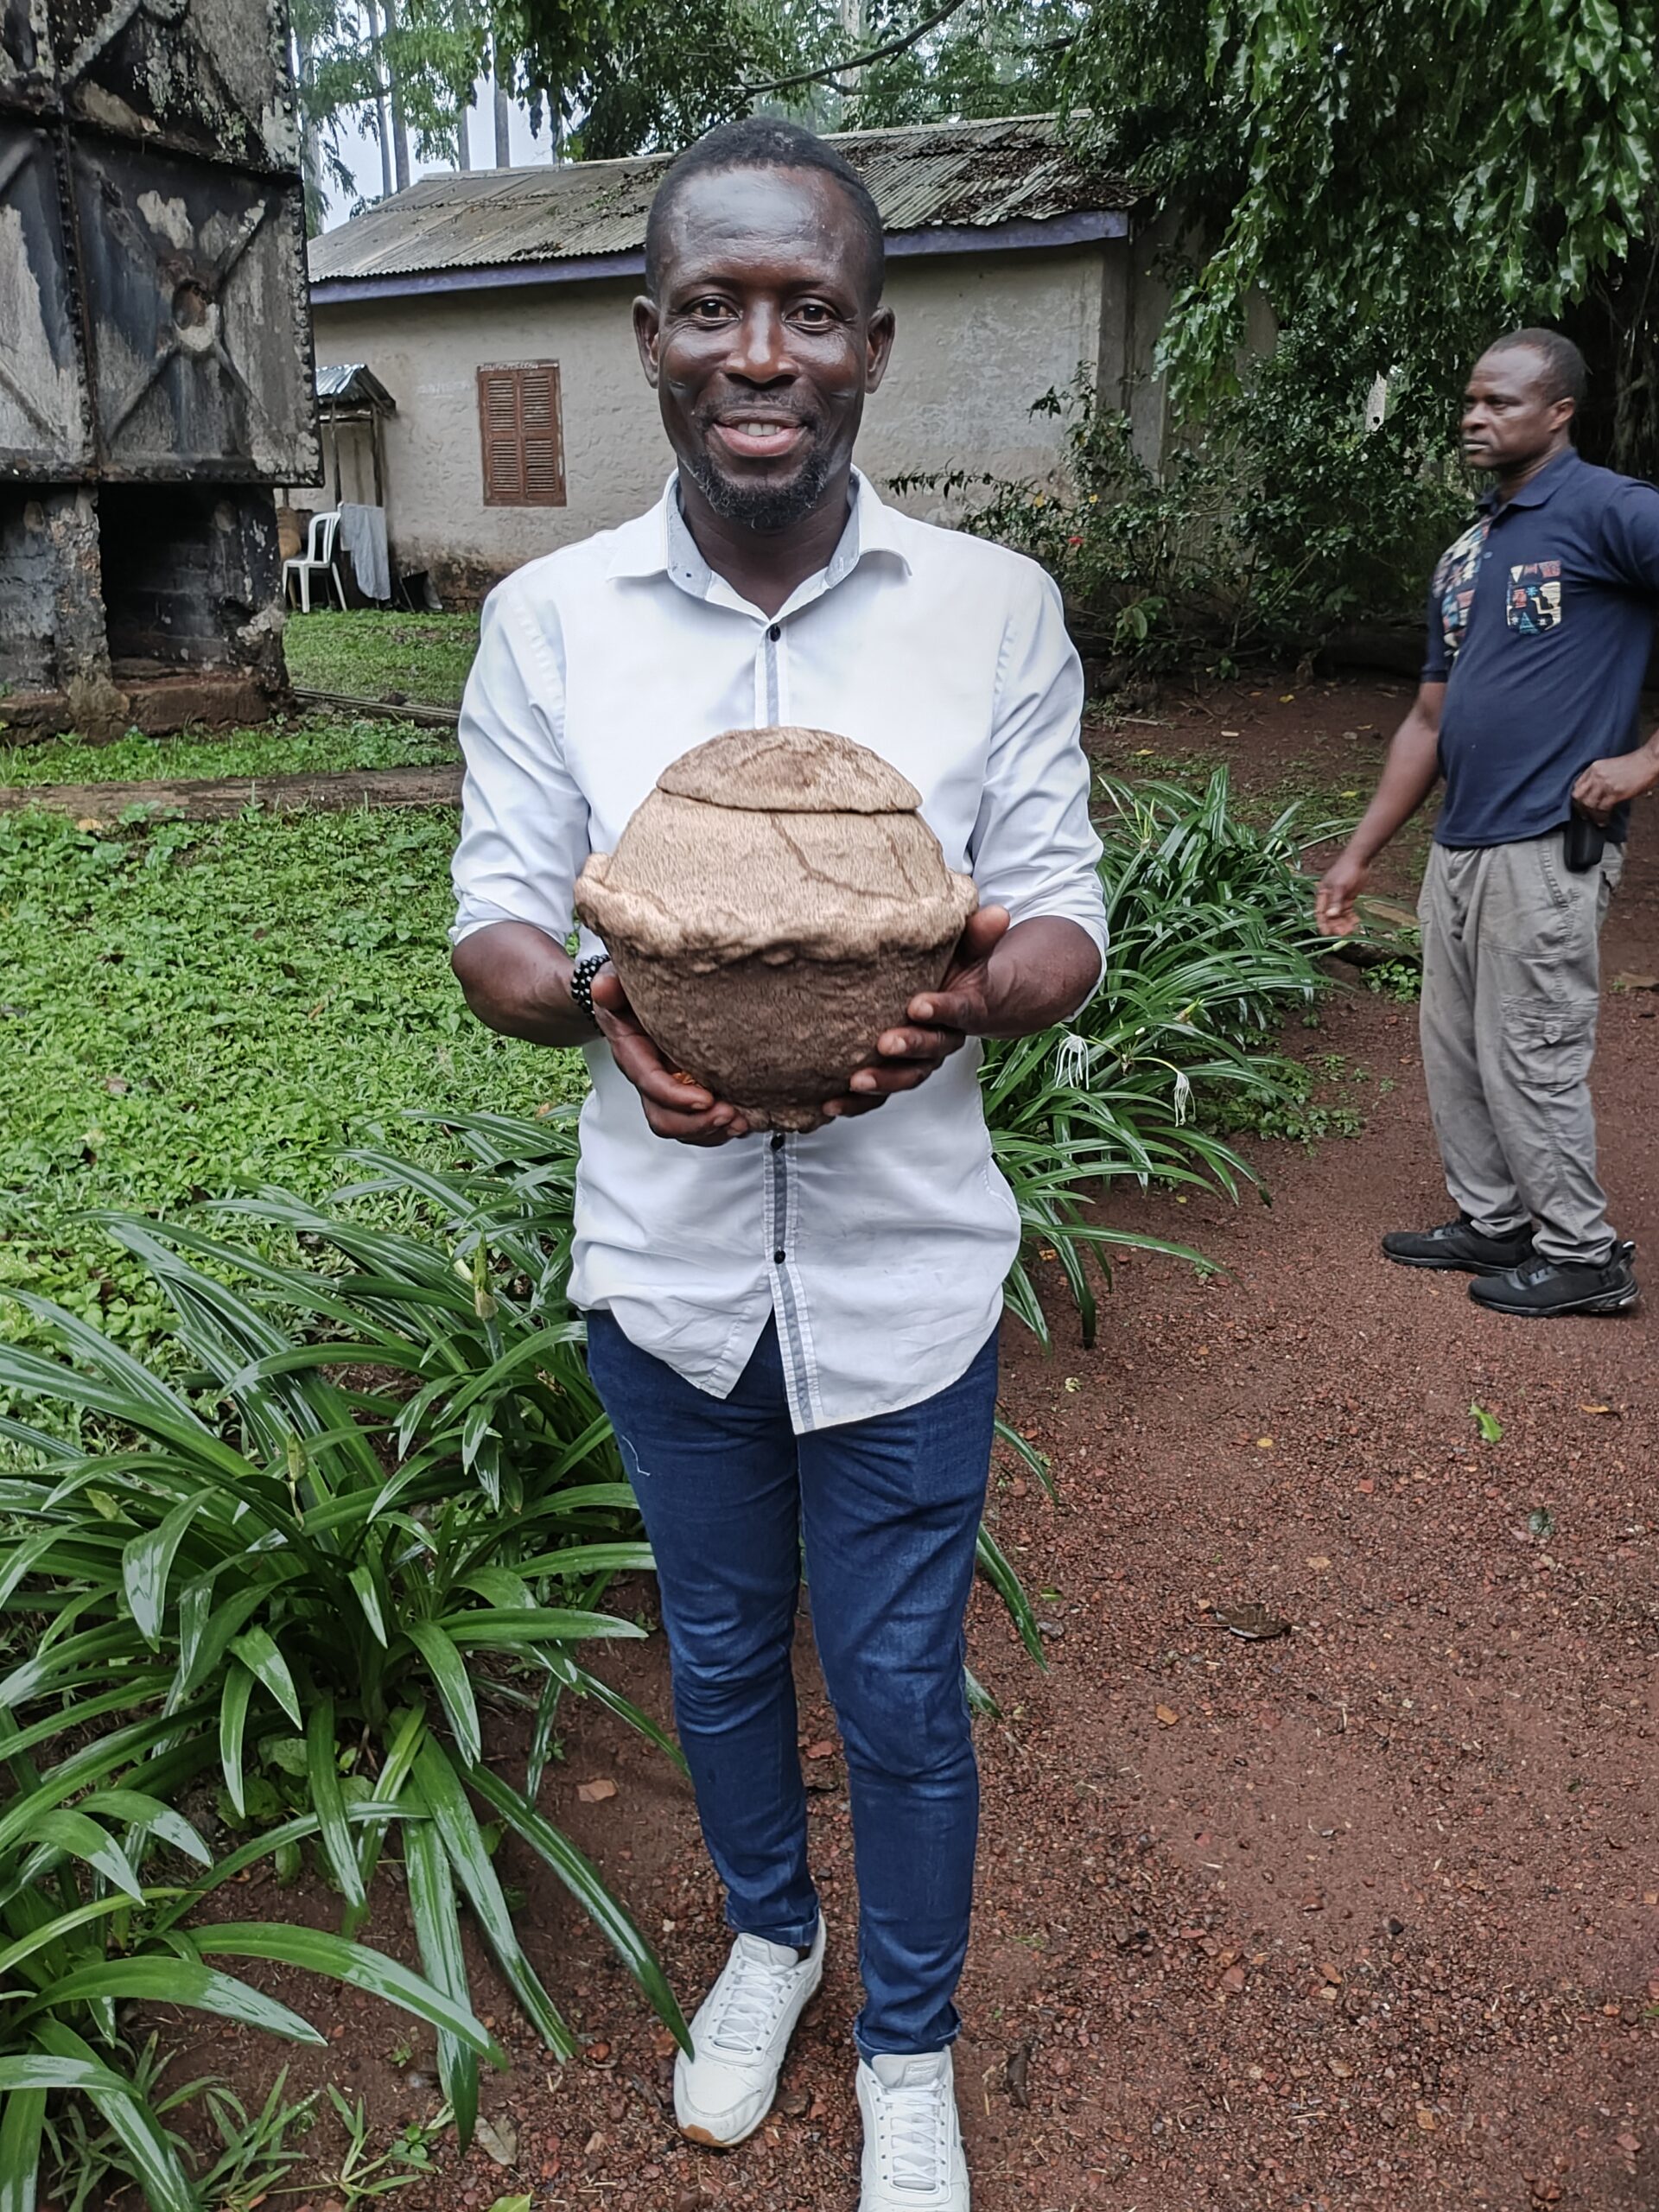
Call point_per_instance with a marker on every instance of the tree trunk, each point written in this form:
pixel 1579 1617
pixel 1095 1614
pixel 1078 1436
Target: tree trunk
pixel 1617 328
pixel 310 137
pixel 463 150
pixel 853 29
pixel 382 120
pixel 503 114
pixel 399 120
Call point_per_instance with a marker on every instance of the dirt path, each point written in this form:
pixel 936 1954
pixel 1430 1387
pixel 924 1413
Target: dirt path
pixel 215 798
pixel 1365 1919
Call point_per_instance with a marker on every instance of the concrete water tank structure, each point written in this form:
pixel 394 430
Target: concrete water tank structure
pixel 155 360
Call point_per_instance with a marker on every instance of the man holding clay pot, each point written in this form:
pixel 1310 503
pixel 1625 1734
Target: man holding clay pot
pixel 795 1335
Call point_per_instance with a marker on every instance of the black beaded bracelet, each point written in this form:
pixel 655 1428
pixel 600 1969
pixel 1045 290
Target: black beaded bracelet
pixel 582 981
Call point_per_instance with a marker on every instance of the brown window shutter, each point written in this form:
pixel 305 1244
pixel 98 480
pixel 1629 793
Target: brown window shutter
pixel 521 434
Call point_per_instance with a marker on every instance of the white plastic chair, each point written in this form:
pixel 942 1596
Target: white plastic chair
pixel 318 559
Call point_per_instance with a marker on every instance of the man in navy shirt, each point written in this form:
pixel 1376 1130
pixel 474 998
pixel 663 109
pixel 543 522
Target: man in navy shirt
pixel 1539 624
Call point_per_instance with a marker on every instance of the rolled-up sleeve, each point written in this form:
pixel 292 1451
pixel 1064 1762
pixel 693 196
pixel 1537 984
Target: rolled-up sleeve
pixel 524 822
pixel 1034 850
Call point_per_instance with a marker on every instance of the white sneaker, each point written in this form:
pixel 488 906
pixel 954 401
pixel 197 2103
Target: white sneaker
pixel 739 2035
pixel 913 2143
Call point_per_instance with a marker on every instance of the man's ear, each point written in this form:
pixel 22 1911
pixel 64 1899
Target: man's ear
pixel 647 335
pixel 878 348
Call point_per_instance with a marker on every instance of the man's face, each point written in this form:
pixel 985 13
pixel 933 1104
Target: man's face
pixel 1508 417
pixel 762 343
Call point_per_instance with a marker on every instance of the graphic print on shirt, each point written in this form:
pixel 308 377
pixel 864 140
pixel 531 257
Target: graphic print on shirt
pixel 1455 583
pixel 1534 597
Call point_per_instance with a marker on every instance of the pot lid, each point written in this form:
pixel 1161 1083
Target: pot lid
pixel 789 771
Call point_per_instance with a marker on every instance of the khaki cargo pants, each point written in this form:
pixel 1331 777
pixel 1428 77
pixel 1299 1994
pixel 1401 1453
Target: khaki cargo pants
pixel 1511 977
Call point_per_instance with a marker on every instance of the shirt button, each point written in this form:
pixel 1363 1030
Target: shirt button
pixel 777 1257
pixel 777 1140
pixel 776 632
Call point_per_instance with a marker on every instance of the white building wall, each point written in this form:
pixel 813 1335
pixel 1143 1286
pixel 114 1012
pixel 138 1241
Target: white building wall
pixel 980 337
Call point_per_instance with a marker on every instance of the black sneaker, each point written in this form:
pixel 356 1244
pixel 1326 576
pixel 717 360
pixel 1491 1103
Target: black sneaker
pixel 1544 1288
pixel 1458 1244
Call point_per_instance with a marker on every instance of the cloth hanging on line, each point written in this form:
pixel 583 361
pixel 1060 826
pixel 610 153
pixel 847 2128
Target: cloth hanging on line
pixel 363 534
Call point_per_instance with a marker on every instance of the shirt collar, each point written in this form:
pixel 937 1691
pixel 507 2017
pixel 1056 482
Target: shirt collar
pixel 658 542
pixel 1541 488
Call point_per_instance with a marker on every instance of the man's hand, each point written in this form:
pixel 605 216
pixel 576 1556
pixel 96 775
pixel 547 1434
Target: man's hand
pixel 675 1106
pixel 1605 784
pixel 940 1022
pixel 1333 902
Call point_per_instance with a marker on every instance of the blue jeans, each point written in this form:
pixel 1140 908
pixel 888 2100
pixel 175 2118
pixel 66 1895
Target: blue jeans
pixel 888 1510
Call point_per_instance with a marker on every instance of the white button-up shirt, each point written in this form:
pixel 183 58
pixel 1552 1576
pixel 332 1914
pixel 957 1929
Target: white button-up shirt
pixel 879 1242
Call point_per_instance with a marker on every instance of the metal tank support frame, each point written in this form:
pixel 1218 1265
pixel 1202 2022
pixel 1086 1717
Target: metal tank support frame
pixel 155 372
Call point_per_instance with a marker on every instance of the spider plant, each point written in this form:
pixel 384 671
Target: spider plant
pixel 1210 946
pixel 383 1499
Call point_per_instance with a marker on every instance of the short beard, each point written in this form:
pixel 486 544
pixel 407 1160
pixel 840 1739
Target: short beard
pixel 762 507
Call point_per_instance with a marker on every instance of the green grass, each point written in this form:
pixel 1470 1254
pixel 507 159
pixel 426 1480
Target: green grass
pixel 191 1008
pixel 311 745
pixel 426 657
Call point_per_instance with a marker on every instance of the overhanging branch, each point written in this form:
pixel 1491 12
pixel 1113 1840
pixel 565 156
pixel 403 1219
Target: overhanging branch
pixel 831 70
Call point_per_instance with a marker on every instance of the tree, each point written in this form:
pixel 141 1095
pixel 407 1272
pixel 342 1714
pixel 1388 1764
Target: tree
pixel 1412 175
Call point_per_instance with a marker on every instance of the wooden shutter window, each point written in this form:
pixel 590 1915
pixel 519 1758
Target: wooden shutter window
pixel 520 434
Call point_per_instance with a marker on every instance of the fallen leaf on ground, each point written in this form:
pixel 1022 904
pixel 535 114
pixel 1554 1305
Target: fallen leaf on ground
pixel 1597 1409
pixel 1626 981
pixel 1168 1715
pixel 1318 1561
pixel 1018 2061
pixel 1252 1621
pixel 498 2139
pixel 595 1793
pixel 1426 2120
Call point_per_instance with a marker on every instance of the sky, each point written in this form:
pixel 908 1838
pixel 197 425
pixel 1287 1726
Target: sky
pixel 362 153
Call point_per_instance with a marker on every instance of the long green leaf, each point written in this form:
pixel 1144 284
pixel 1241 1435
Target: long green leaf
pixel 582 1879
pixel 148 1560
pixel 140 2133
pixel 458 1830
pixel 178 1982
pixel 437 1930
pixel 448 1672
pixel 328 1802
pixel 21 2127
pixel 318 1952
pixel 65 1830
pixel 232 1727
pixel 258 1653
pixel 993 1564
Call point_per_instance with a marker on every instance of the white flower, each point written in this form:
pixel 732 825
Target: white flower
pixel 1072 1059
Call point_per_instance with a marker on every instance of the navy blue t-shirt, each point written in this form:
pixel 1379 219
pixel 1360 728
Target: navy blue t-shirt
pixel 1539 624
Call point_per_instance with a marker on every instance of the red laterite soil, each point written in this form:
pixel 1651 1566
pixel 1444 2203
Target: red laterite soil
pixel 1365 1918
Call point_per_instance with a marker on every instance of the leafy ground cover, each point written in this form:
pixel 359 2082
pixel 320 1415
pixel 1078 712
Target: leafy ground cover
pixel 191 1009
pixel 367 654
pixel 305 744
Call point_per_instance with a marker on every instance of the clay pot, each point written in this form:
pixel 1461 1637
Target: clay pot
pixel 773 906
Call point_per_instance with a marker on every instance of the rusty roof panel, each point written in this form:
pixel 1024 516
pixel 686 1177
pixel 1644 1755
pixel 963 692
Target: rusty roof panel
pixel 972 176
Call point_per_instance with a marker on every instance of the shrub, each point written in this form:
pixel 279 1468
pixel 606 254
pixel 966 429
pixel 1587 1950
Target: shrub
pixel 386 1491
pixel 1269 525
pixel 1211 943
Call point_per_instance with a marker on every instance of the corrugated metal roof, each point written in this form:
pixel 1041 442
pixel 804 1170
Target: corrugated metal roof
pixel 945 174
pixel 353 383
